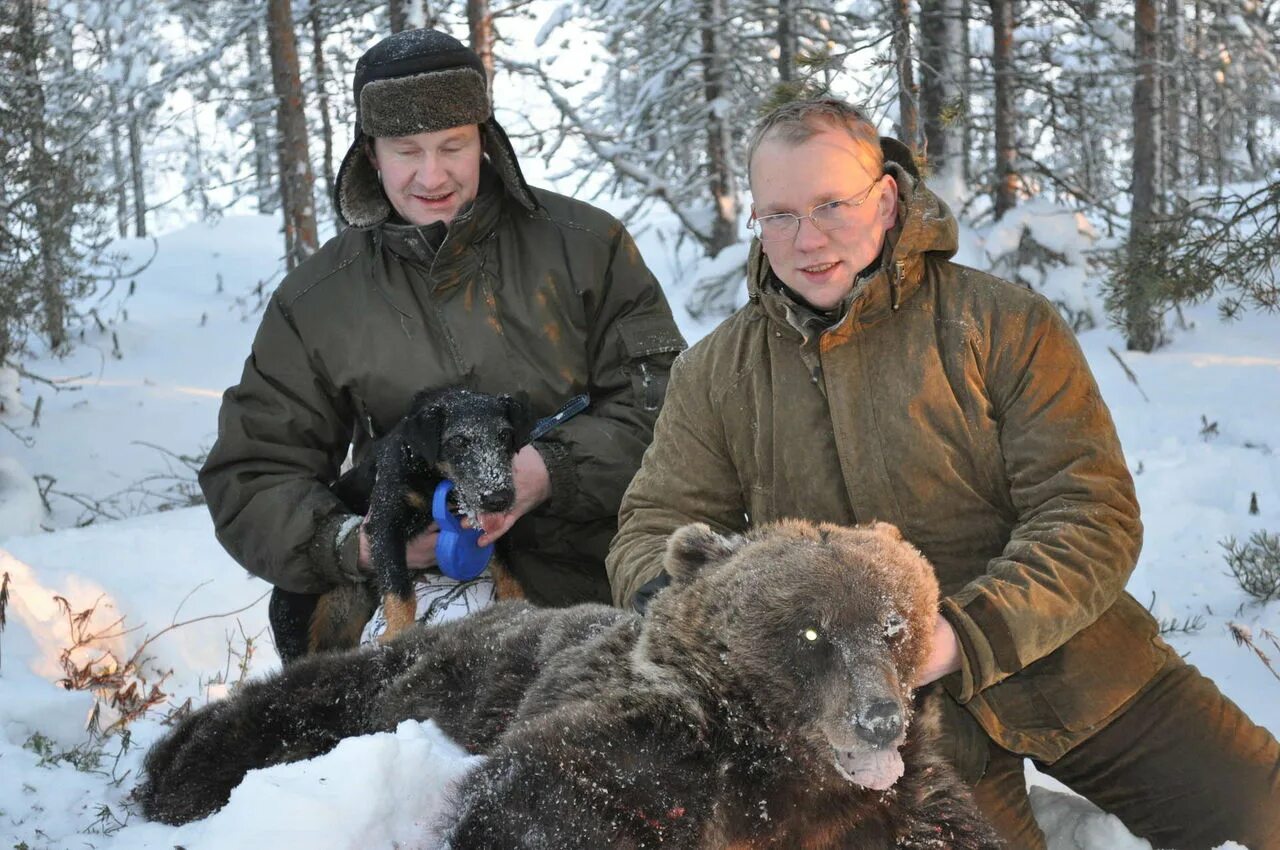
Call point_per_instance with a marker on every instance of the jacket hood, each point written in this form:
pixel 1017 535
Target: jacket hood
pixel 925 226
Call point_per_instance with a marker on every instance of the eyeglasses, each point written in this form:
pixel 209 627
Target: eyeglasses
pixel 829 216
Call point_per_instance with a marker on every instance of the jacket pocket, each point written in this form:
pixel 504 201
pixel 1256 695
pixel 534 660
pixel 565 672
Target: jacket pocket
pixel 1100 669
pixel 1055 703
pixel 650 345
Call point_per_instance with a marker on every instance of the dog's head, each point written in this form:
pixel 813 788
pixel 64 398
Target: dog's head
pixel 470 438
pixel 818 629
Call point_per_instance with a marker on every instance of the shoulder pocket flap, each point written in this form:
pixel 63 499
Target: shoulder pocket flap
pixel 643 336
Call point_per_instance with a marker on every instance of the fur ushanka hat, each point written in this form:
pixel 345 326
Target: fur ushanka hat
pixel 418 81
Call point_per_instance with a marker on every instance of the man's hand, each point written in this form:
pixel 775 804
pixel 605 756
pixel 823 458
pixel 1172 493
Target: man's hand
pixel 533 487
pixel 419 552
pixel 944 654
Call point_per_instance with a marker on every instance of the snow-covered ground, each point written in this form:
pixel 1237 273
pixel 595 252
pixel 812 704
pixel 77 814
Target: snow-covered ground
pixel 136 399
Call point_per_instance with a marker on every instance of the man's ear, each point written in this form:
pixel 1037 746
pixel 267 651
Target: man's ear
pixel 887 206
pixel 516 409
pixel 692 547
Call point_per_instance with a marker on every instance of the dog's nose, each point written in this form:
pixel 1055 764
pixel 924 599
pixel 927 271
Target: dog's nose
pixel 497 500
pixel 880 723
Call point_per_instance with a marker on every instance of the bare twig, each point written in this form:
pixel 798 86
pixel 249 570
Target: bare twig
pixel 4 603
pixel 56 383
pixel 1128 372
pixel 26 440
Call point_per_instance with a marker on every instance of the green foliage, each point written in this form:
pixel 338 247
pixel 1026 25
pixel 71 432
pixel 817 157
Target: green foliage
pixel 1256 564
pixel 86 757
pixel 1221 246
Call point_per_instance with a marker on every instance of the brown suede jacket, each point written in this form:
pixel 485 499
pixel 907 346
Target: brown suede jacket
pixel 553 302
pixel 956 406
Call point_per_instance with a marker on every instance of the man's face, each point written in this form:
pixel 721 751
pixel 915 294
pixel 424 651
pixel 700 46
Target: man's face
pixel 818 265
pixel 429 177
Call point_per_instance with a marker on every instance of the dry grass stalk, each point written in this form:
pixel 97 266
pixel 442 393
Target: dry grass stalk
pixel 126 687
pixel 1243 636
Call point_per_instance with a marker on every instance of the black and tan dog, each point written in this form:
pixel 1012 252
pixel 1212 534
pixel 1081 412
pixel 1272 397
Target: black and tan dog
pixel 453 433
pixel 764 701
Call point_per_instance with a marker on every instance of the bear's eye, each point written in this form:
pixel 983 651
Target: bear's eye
pixel 895 626
pixel 810 635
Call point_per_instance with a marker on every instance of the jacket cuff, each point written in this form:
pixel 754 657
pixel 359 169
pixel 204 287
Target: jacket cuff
pixel 564 478
pixel 335 549
pixel 987 651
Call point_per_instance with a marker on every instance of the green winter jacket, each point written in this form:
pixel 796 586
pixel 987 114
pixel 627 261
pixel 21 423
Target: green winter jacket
pixel 553 301
pixel 956 406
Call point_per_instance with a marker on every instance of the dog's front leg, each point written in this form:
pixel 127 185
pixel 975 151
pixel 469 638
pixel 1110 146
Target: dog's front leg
pixel 395 514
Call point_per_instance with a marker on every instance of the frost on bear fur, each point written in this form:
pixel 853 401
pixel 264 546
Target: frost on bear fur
pixel 764 700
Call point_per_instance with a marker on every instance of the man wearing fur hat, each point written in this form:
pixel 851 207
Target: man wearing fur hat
pixel 452 270
pixel 870 378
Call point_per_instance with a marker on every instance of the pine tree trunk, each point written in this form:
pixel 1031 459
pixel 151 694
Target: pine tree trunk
pixel 480 25
pixel 398 15
pixel 119 179
pixel 53 306
pixel 138 172
pixel 1005 121
pixel 966 86
pixel 1175 42
pixel 1200 154
pixel 721 178
pixel 908 117
pixel 296 177
pixel 1142 326
pixel 321 74
pixel 786 42
pixel 940 53
pixel 263 147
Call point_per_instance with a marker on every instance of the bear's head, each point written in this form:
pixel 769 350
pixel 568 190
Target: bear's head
pixel 811 632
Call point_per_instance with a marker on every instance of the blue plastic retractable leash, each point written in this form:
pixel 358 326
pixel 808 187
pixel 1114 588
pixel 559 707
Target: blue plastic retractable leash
pixel 457 553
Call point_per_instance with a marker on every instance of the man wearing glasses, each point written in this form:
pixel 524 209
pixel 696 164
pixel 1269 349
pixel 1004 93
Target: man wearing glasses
pixel 870 378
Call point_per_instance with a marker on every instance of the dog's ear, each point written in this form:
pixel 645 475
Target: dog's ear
pixel 422 430
pixel 694 546
pixel 516 409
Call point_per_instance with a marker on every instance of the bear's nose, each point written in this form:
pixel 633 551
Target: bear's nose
pixel 880 723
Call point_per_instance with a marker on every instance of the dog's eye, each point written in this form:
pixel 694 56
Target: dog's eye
pixel 456 443
pixel 895 626
pixel 811 635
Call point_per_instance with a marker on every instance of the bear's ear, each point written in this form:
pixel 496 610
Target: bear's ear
pixel 694 546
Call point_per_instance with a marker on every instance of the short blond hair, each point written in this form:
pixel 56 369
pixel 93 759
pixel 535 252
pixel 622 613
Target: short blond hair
pixel 800 120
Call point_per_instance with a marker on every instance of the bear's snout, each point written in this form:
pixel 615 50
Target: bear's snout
pixel 880 723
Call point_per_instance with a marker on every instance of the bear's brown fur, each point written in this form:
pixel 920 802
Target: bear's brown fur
pixel 762 693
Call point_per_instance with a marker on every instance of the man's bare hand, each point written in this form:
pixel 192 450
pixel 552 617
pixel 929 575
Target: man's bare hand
pixel 419 553
pixel 944 655
pixel 533 487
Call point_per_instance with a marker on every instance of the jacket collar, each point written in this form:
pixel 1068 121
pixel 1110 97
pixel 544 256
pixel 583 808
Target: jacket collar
pixel 440 247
